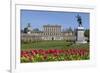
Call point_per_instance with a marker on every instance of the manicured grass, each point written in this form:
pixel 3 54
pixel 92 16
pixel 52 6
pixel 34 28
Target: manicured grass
pixel 52 44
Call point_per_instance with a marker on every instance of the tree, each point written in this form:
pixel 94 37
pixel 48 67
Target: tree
pixel 25 30
pixel 86 34
pixel 69 29
pixel 36 30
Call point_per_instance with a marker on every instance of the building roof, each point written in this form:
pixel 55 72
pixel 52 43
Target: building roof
pixel 49 25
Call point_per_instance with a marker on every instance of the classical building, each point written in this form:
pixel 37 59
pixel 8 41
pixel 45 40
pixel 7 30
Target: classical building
pixel 49 32
pixel 52 32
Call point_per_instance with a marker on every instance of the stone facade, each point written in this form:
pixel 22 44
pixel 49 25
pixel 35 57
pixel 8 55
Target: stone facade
pixel 52 32
pixel 49 32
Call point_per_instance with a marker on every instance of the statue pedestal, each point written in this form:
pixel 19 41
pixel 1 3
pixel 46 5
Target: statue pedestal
pixel 80 35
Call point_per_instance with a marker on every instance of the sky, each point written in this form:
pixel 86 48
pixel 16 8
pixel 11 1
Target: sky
pixel 39 18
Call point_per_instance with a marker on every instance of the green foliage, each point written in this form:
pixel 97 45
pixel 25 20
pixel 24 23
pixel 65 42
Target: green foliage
pixel 25 30
pixel 87 34
pixel 23 59
pixel 36 30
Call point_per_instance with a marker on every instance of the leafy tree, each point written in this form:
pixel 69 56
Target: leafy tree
pixel 36 30
pixel 69 29
pixel 25 30
pixel 86 33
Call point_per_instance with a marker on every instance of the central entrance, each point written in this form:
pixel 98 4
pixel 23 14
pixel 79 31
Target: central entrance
pixel 52 38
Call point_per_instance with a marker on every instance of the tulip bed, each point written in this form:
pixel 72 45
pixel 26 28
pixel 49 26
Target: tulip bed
pixel 44 55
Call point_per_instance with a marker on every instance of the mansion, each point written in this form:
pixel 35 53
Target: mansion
pixel 49 32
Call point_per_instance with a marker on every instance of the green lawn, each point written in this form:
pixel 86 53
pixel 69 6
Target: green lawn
pixel 52 44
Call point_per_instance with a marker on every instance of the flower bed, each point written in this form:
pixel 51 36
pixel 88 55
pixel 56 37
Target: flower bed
pixel 41 55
